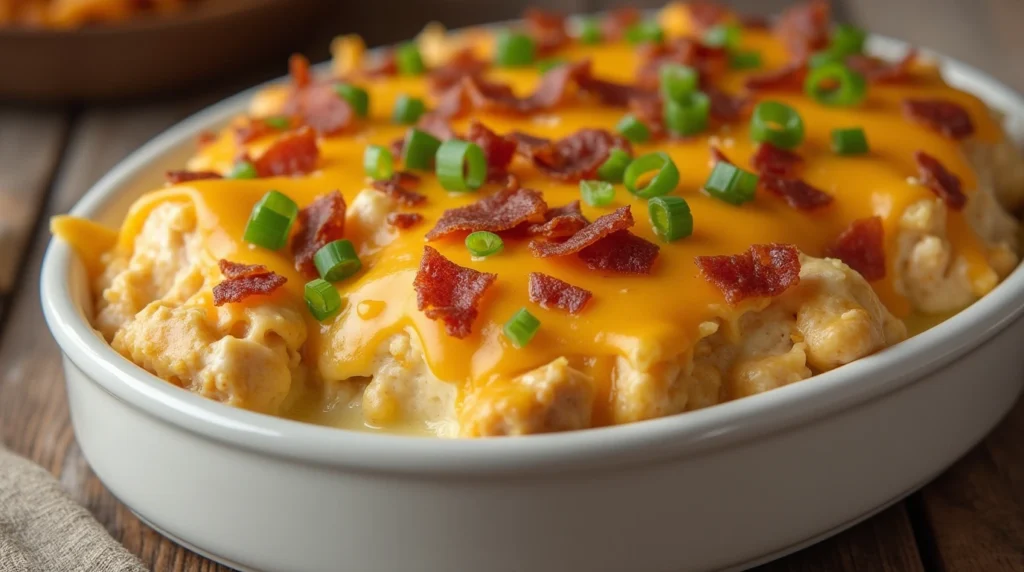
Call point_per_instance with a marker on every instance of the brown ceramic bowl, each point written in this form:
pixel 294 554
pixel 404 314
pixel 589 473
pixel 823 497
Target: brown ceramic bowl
pixel 149 54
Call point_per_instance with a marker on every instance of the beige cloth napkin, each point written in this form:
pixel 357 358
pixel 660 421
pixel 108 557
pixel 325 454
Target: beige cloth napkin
pixel 43 530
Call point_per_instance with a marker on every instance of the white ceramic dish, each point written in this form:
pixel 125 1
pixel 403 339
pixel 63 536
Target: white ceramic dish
pixel 723 487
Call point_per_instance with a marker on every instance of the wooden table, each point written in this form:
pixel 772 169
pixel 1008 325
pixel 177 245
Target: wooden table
pixel 970 518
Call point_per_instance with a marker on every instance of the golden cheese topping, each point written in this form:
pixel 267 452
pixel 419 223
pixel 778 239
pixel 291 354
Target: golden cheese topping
pixel 649 320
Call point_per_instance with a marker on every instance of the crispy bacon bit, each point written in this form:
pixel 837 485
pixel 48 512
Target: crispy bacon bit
pixel 503 210
pixel 804 28
pixel 318 106
pixel 455 101
pixel 205 138
pixel 622 252
pixel 529 145
pixel 257 127
pixel 706 14
pixel 946 117
pixel 386 64
pixel 649 110
pixel 572 158
pixel 620 219
pixel 560 222
pixel 499 149
pixel 547 29
pixel 175 177
pixel 940 180
pixel 771 160
pixel 717 156
pixel 550 292
pixel 552 90
pixel 877 70
pixel 615 24
pixel 294 153
pixel 461 64
pixel 788 78
pixel 321 222
pixel 404 220
pixel 764 270
pixel 862 247
pixel 797 193
pixel 243 280
pixel 726 107
pixel 709 61
pixel 396 188
pixel 612 93
pixel 298 69
pixel 448 292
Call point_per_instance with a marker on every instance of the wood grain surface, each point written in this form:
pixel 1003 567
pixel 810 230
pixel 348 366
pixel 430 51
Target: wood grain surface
pixel 970 518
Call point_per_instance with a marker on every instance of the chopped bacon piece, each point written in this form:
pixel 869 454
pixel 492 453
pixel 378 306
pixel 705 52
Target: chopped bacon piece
pixel 862 247
pixel 315 103
pixel 385 64
pixel 616 22
pixel 620 219
pixel 771 160
pixel 550 292
pixel 503 210
pixel 717 156
pixel 547 29
pixel 298 69
pixel 764 270
pixel 243 280
pixel 706 14
pixel 649 110
pixel 396 188
pixel 448 292
pixel 257 127
pixel 726 107
pixel 804 28
pixel 529 145
pixel 612 93
pixel 205 138
pixel 294 153
pixel 710 61
pixel 940 180
pixel 572 158
pixel 560 222
pixel 622 252
pixel 946 117
pixel 461 64
pixel 404 220
pixel 796 192
pixel 877 70
pixel 499 149
pixel 550 92
pixel 321 222
pixel 788 78
pixel 175 177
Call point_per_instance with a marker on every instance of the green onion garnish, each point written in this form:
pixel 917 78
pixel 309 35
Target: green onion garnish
pixel 745 60
pixel 670 217
pixel 823 57
pixel 408 60
pixel 482 243
pixel 420 148
pixel 663 182
pixel 590 31
pixel 633 129
pixel 836 85
pixel 322 298
pixel 778 124
pixel 278 122
pixel 378 162
pixel 678 81
pixel 723 36
pixel 270 221
pixel 521 328
pixel 851 141
pixel 337 260
pixel 461 165
pixel 544 66
pixel 514 50
pixel 242 170
pixel 408 110
pixel 688 115
pixel 597 193
pixel 645 32
pixel 731 184
pixel 355 96
pixel 847 39
pixel 614 166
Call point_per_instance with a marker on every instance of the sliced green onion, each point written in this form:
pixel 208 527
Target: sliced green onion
pixel 482 243
pixel 836 85
pixel 824 57
pixel 645 32
pixel 278 122
pixel 514 50
pixel 597 193
pixel 408 60
pixel 408 110
pixel 590 31
pixel 322 298
pixel 270 221
pixel 420 148
pixel 670 217
pixel 337 260
pixel 614 166
pixel 745 60
pixel 778 124
pixel 544 66
pixel 723 36
pixel 731 184
pixel 461 165
pixel 662 183
pixel 847 39
pixel 688 115
pixel 633 129
pixel 355 96
pixel 852 141
pixel 678 81
pixel 378 162
pixel 243 170
pixel 521 328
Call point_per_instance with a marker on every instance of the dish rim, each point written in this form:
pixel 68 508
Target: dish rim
pixel 692 433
